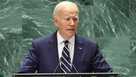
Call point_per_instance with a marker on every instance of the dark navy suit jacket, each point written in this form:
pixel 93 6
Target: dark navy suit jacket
pixel 43 57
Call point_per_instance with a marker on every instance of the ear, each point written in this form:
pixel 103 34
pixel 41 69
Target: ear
pixel 55 20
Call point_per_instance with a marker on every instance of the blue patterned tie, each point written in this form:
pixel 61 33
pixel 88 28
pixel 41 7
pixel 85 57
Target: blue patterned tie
pixel 65 60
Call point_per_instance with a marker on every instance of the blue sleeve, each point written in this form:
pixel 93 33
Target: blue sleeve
pixel 30 62
pixel 99 62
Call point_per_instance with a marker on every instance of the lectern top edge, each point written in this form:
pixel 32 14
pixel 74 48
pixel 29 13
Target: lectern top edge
pixel 60 74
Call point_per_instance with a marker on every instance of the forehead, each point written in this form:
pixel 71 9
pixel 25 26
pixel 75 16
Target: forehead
pixel 69 10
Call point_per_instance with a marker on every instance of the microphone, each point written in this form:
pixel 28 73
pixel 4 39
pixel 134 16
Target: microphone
pixel 58 69
pixel 75 69
pixel 55 70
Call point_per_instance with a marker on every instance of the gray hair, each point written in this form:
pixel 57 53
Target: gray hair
pixel 59 5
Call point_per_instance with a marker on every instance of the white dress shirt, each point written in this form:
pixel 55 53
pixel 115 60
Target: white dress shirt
pixel 71 45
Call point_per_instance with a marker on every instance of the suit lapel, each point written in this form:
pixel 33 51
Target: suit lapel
pixel 78 53
pixel 53 52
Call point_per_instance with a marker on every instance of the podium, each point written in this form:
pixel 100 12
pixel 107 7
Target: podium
pixel 65 75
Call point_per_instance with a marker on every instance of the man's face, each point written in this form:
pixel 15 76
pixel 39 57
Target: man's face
pixel 67 21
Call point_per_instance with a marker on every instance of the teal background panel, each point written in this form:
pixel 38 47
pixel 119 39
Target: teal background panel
pixel 111 23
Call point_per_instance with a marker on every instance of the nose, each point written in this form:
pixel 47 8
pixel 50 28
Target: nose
pixel 72 22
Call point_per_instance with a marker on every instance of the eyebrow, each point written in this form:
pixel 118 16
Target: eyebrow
pixel 71 16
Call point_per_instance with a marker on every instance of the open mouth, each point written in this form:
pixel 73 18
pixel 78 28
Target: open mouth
pixel 70 29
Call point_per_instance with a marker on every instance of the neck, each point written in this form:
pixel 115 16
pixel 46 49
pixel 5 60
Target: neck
pixel 65 37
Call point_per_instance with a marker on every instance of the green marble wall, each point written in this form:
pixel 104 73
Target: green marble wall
pixel 112 23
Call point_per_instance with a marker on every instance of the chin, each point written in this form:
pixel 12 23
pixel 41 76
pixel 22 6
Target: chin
pixel 70 34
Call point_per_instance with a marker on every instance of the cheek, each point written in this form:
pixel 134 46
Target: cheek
pixel 62 23
pixel 62 26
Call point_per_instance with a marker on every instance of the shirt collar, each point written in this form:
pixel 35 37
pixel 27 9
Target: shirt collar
pixel 61 39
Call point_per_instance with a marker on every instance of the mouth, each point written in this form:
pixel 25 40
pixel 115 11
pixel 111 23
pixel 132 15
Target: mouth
pixel 70 29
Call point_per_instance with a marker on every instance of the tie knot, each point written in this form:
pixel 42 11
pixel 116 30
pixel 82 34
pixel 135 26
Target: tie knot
pixel 66 42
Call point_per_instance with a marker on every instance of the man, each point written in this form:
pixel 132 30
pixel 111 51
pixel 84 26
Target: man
pixel 64 51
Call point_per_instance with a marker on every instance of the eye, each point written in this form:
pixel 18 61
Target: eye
pixel 68 18
pixel 75 18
